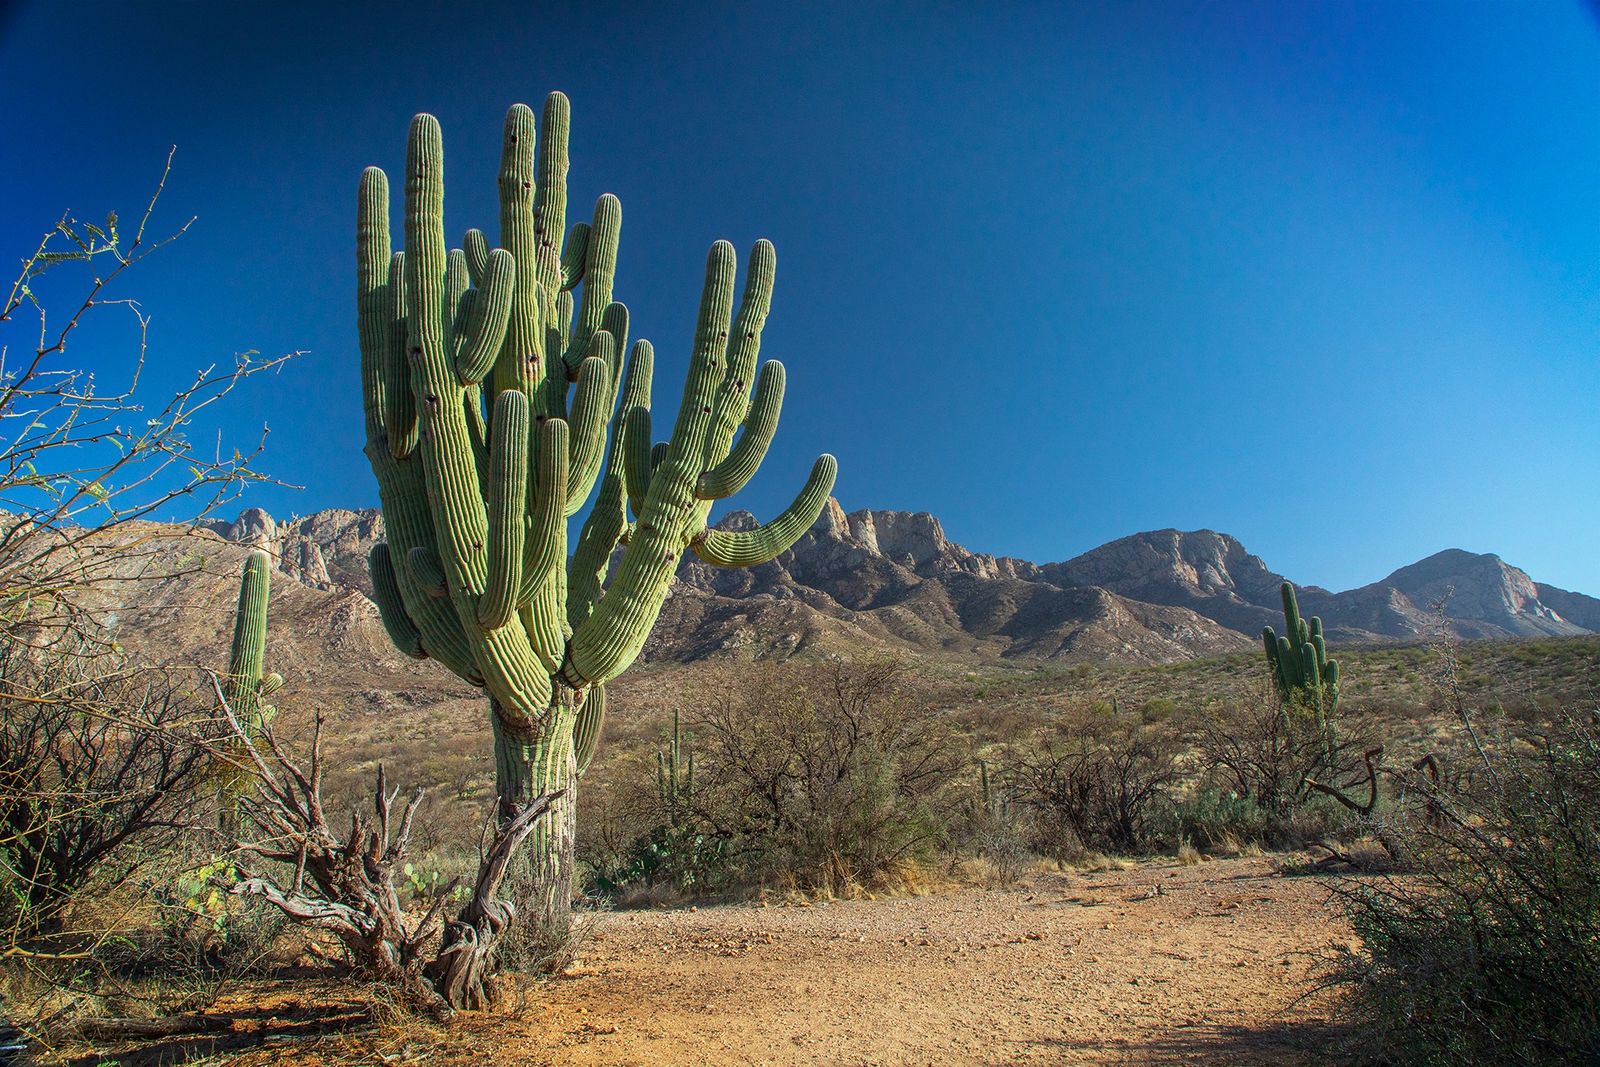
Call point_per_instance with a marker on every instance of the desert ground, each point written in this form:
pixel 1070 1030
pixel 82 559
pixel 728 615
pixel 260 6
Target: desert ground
pixel 1157 963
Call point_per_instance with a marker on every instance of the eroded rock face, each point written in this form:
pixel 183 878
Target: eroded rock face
pixel 893 578
pixel 324 550
pixel 254 527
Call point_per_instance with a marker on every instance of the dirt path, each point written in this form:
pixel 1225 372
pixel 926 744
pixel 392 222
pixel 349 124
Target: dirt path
pixel 1159 964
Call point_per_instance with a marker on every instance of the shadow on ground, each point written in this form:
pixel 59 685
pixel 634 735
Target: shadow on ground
pixel 1313 1041
pixel 237 1031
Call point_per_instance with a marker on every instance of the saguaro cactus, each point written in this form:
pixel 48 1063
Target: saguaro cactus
pixel 245 686
pixel 1299 661
pixel 675 777
pixel 476 571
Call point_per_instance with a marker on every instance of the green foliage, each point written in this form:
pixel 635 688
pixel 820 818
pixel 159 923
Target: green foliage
pixel 1299 663
pixel 684 857
pixel 1213 818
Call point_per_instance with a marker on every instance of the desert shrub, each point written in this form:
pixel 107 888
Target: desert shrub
pixel 826 776
pixel 1488 949
pixel 1264 751
pixel 98 774
pixel 1098 782
pixel 990 823
pixel 1212 818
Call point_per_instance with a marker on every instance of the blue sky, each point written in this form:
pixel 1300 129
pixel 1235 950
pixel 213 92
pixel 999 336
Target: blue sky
pixel 1323 276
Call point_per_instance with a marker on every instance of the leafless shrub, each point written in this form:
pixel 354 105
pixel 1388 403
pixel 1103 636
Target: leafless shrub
pixel 348 882
pixel 1095 784
pixel 829 775
pixel 97 772
pixel 1272 755
pixel 79 460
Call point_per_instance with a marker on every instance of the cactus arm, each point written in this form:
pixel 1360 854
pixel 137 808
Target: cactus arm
pixel 608 519
pixel 400 407
pixel 637 456
pixel 392 429
pixel 614 321
pixel 475 246
pixel 450 473
pixel 457 289
pixel 271 684
pixel 484 325
pixel 573 254
pixel 733 393
pixel 374 307
pixel 524 362
pixel 1308 668
pixel 508 493
pixel 1291 610
pixel 543 574
pixel 741 463
pixel 546 545
pixel 591 721
pixel 591 407
pixel 1286 661
pixel 599 277
pixel 747 548
pixel 550 198
pixel 391 607
pixel 423 564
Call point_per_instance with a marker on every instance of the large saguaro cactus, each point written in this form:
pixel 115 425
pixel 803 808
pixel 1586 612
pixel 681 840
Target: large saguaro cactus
pixel 495 400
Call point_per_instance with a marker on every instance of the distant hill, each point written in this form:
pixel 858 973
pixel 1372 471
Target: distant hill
pixel 892 579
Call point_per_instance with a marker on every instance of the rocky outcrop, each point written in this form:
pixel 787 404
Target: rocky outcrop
pixel 1575 608
pixel 893 579
pixel 324 550
pixel 1210 573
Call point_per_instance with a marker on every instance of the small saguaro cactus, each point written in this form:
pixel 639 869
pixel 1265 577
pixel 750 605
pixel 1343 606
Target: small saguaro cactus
pixel 1299 660
pixel 675 776
pixel 996 802
pixel 245 686
pixel 495 402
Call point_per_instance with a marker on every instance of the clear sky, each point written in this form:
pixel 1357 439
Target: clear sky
pixel 1324 276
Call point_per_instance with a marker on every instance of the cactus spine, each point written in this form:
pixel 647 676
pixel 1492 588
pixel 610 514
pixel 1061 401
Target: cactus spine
pixel 1299 661
pixel 495 402
pixel 245 685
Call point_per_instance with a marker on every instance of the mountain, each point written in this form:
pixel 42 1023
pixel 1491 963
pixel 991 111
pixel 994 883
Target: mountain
pixel 1481 595
pixel 892 579
pixel 1213 575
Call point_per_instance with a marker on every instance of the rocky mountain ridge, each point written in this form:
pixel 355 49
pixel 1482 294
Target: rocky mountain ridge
pixel 893 579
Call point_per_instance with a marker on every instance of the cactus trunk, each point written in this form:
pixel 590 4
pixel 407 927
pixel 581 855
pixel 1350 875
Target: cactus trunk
pixel 527 767
pixel 246 685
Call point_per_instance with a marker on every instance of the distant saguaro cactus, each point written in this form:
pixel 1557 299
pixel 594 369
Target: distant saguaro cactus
pixel 245 686
pixel 1299 661
pixel 476 571
pixel 675 776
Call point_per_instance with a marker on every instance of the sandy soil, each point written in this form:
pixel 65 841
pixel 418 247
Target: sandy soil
pixel 1157 964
